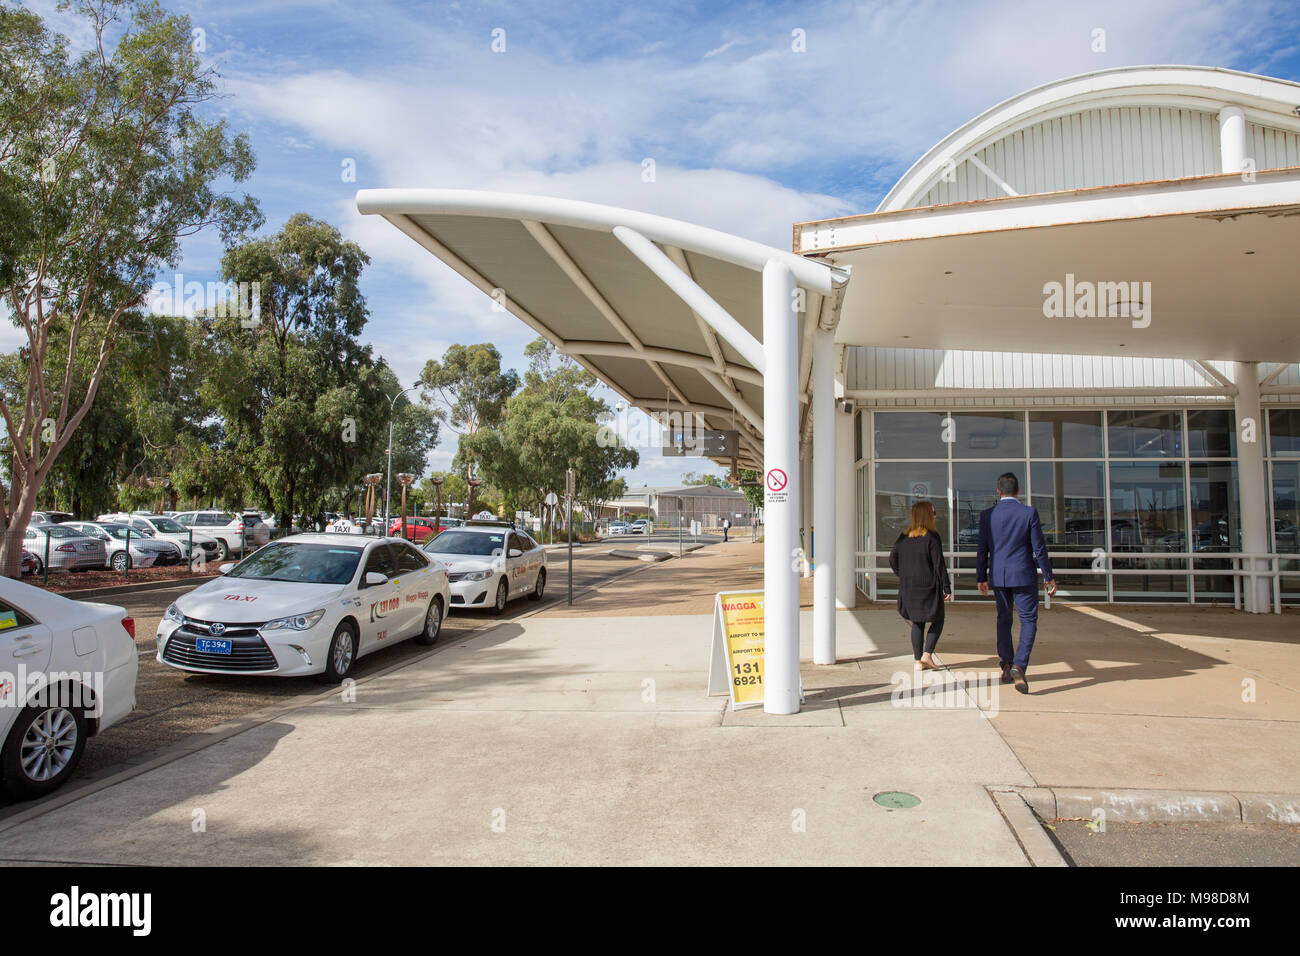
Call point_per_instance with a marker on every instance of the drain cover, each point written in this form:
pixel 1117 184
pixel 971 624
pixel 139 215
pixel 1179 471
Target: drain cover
pixel 896 800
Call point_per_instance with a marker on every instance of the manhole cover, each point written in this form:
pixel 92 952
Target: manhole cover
pixel 896 800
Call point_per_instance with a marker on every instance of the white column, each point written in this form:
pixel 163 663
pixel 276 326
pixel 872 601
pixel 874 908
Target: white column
pixel 781 490
pixel 1232 139
pixel 846 509
pixel 1253 478
pixel 823 496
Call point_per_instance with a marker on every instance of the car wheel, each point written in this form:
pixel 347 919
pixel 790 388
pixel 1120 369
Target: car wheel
pixel 120 561
pixel 43 750
pixel 432 623
pixel 342 655
pixel 499 605
pixel 223 550
pixel 39 567
pixel 540 587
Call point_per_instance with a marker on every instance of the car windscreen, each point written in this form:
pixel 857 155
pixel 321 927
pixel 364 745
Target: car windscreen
pixel 467 542
pixel 168 526
pixel 300 563
pixel 94 531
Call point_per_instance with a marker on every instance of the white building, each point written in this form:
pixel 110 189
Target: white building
pixel 1092 284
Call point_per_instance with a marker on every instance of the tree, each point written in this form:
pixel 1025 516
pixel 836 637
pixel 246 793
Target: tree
pixel 471 386
pixel 303 403
pixel 105 167
pixel 692 478
pixel 751 483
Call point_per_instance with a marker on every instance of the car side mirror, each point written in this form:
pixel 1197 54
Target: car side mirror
pixel 226 568
pixel 516 553
pixel 374 579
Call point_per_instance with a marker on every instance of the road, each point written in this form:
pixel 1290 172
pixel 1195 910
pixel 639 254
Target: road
pixel 171 704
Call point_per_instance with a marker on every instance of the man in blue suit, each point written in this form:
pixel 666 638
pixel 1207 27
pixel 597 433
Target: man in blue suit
pixel 1011 535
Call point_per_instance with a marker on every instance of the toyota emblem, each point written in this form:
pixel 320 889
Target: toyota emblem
pixel 216 628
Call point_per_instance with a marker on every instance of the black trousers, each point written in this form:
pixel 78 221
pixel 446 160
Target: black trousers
pixel 925 643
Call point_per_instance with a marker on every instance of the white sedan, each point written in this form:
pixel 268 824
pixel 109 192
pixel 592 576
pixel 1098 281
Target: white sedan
pixel 306 604
pixel 489 564
pixel 67 672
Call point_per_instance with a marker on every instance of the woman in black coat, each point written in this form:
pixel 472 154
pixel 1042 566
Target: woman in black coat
pixel 923 584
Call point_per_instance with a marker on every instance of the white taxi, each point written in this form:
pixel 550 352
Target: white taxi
pixel 306 604
pixel 67 672
pixel 490 563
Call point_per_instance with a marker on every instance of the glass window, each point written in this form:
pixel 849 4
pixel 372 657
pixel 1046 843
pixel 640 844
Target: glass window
pixel 11 617
pixel 381 560
pixel 1065 434
pixel 1147 507
pixel 408 559
pixel 1286 508
pixel 988 435
pixel 300 563
pixel 1215 517
pixel 974 488
pixel 1211 433
pixel 1071 500
pixel 899 485
pixel 1146 434
pixel 1284 432
pixel 910 435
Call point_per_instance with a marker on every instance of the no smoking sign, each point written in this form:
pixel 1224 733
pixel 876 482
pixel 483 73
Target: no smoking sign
pixel 776 484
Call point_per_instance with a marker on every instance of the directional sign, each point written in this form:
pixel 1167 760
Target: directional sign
pixel 702 443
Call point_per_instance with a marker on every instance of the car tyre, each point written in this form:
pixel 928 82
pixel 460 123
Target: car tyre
pixel 503 596
pixel 223 550
pixel 540 587
pixel 60 732
pixel 120 561
pixel 432 623
pixel 341 657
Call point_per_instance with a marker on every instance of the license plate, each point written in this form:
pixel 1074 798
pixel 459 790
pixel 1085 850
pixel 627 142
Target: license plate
pixel 207 645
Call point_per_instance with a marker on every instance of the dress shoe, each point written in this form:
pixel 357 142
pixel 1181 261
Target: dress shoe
pixel 1022 684
pixel 1006 673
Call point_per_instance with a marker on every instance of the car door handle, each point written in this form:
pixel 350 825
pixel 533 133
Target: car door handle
pixel 27 651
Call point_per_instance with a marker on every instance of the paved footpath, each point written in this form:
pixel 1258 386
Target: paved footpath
pixel 584 736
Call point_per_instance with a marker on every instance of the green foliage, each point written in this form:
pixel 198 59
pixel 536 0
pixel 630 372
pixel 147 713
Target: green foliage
pixel 691 478
pixel 105 167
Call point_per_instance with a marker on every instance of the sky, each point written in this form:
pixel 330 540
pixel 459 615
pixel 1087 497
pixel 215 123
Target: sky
pixel 747 133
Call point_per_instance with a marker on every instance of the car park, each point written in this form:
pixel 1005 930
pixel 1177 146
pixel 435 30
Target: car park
pixel 67 673
pixel 64 549
pixel 306 604
pixel 489 564
pixel 129 548
pixel 234 534
pixel 195 545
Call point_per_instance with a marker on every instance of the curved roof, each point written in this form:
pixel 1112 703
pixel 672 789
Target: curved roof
pixel 1265 101
pixel 667 313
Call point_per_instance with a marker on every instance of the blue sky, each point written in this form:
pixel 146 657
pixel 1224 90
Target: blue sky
pixel 746 134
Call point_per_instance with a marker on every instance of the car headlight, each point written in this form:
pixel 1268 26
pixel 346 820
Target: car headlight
pixel 477 576
pixel 299 622
pixel 173 613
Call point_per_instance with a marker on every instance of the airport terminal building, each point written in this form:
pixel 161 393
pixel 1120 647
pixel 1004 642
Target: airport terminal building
pixel 1092 284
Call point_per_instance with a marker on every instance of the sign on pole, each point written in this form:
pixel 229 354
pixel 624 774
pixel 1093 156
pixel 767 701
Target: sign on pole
pixel 736 653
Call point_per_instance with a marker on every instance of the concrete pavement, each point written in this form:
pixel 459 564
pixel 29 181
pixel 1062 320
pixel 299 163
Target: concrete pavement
pixel 564 741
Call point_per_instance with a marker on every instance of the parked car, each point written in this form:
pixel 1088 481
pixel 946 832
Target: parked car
pixel 51 517
pixel 235 535
pixel 65 548
pixel 639 526
pixel 418 529
pixel 617 528
pixel 489 564
pixel 306 604
pixel 145 551
pixel 79 663
pixel 204 547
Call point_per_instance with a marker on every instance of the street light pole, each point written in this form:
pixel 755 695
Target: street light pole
pixel 388 484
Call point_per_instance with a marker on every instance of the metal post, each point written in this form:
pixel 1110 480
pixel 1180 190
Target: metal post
pixel 568 505
pixel 126 565
pixel 846 504
pixel 45 569
pixel 781 489
pixel 1255 537
pixel 823 496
